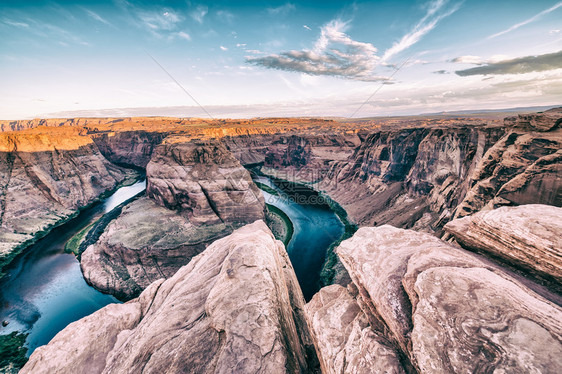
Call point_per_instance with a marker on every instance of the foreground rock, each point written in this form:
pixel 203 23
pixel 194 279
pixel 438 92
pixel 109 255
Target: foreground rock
pixel 197 193
pixel 45 178
pixel 528 236
pixel 234 308
pixel 442 308
pixel 344 340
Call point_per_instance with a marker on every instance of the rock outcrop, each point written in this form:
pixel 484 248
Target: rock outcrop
pixel 204 182
pixel 528 236
pixel 234 308
pixel 343 338
pixel 442 308
pixel 45 178
pixel 196 193
pixel 521 168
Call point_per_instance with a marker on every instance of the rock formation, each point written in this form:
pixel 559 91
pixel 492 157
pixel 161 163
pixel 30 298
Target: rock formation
pixel 203 181
pixel 343 338
pixel 236 307
pixel 442 308
pixel 45 178
pixel 197 192
pixel 527 236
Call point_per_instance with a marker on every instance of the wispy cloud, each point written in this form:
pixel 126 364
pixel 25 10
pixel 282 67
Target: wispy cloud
pixel 437 10
pixel 527 21
pixel 282 10
pixel 306 27
pixel 96 16
pixel 163 20
pixel 334 54
pixel 476 60
pixel 225 16
pixel 198 14
pixel 519 65
pixel 183 35
pixel 223 48
pixel 15 23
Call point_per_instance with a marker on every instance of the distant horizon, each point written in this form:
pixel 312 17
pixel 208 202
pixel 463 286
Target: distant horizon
pixel 121 113
pixel 281 58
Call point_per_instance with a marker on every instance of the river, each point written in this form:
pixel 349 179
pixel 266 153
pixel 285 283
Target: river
pixel 44 290
pixel 316 227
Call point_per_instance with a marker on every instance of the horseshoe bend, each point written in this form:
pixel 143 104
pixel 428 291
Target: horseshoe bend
pixel 426 243
pixel 274 186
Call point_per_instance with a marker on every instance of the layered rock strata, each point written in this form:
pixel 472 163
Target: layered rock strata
pixel 528 236
pixel 443 309
pixel 236 307
pixel 45 178
pixel 196 193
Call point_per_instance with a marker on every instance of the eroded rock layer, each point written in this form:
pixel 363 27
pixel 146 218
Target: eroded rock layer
pixel 528 236
pixel 444 309
pixel 234 308
pixel 196 193
pixel 45 178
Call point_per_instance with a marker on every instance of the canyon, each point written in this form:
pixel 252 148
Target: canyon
pixel 445 210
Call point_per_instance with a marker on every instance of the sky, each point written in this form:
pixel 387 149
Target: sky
pixel 276 58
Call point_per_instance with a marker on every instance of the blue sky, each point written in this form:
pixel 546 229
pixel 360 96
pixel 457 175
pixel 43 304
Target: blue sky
pixel 259 58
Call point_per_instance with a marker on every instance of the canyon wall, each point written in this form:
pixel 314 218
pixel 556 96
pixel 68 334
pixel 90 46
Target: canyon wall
pixel 196 193
pixel 45 178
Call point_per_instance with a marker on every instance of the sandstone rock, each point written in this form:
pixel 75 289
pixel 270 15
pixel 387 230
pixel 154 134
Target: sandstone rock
pixel 233 308
pixel 546 121
pixel 145 243
pixel 45 178
pixel 472 320
pixel 446 309
pixel 344 341
pixel 131 148
pixel 527 235
pixel 204 182
pixel 377 260
pixel 197 193
pixel 521 168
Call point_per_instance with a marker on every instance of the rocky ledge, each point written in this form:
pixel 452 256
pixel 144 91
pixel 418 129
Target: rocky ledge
pixel 236 307
pixel 528 236
pixel 419 304
pixel 197 192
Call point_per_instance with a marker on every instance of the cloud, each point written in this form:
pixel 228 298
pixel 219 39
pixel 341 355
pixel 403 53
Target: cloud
pixel 519 65
pixel 281 10
pixel 334 54
pixel 15 23
pixel 441 72
pixel 183 35
pixel 309 29
pixel 225 16
pixel 96 16
pixel 223 48
pixel 532 19
pixel 199 13
pixel 435 13
pixel 476 60
pixel 554 32
pixel 164 20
